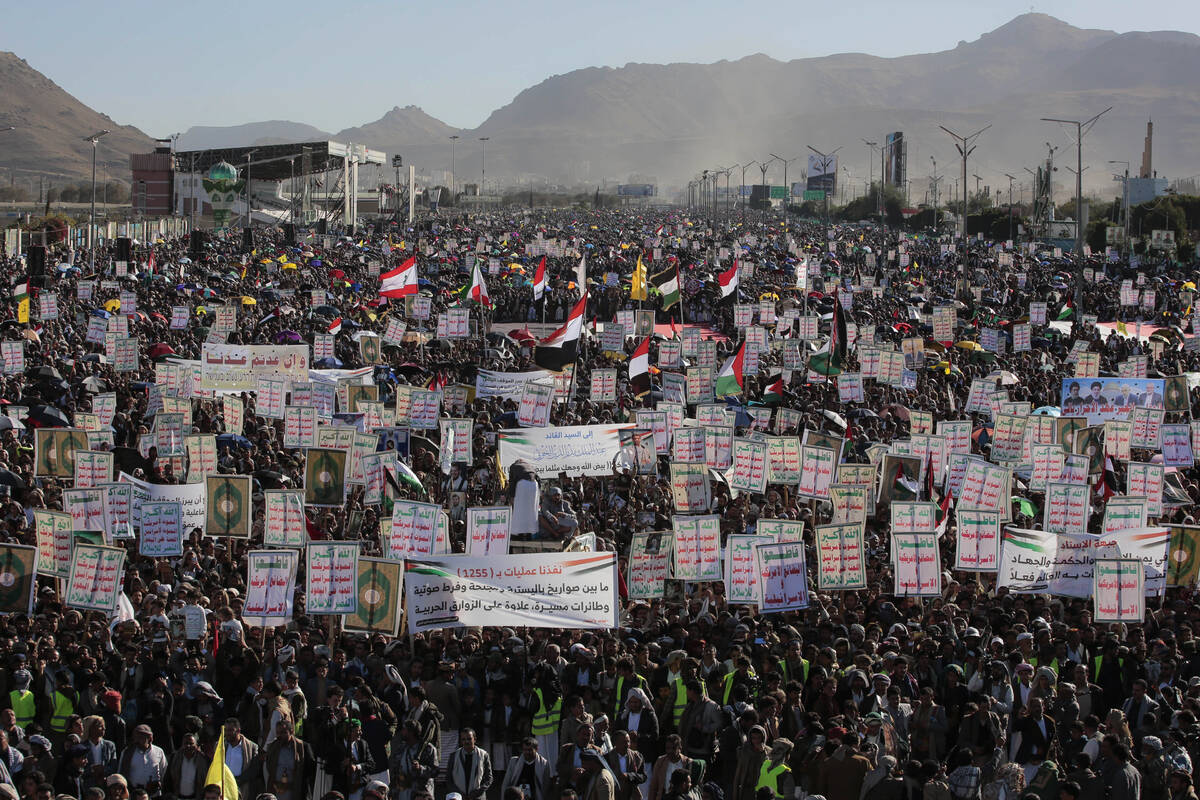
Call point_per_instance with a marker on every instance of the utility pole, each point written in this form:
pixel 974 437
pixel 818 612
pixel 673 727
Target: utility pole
pixel 934 179
pixel 826 160
pixel 1081 130
pixel 94 139
pixel 742 188
pixel 1010 213
pixel 965 146
pixel 453 139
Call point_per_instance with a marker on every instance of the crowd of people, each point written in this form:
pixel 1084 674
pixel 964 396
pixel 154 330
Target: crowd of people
pixel 979 693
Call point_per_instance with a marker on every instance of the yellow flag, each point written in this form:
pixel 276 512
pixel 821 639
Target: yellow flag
pixel 1121 329
pixel 637 288
pixel 219 773
pixel 23 310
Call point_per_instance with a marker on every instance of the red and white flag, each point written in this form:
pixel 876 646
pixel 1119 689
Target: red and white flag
pixel 335 327
pixel 539 280
pixel 401 281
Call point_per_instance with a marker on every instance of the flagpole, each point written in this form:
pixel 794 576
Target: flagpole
pixel 679 284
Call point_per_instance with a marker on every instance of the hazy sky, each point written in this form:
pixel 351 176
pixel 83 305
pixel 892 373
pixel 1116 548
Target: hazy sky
pixel 165 66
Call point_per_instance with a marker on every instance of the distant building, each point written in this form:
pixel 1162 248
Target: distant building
pixel 1143 190
pixel 153 185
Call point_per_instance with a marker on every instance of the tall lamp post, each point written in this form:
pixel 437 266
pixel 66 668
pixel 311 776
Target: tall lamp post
pixel 826 160
pixel 966 146
pixel 453 139
pixel 742 188
pixel 1010 214
pixel 871 147
pixel 483 140
pixel 249 213
pixel 1081 130
pixel 94 139
pixel 1124 179
pixel 787 187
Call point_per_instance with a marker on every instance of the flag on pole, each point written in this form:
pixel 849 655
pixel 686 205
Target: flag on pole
pixel 479 291
pixel 773 393
pixel 219 773
pixel 637 287
pixel 539 280
pixel 639 369
pixel 728 280
pixel 401 281
pixel 729 380
pixel 667 283
pixel 562 347
pixel 21 295
pixel 581 274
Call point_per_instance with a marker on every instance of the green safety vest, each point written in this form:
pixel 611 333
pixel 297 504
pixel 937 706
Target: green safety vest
pixel 545 721
pixel 1096 666
pixel 784 670
pixel 680 701
pixel 729 685
pixel 1053 665
pixel 768 777
pixel 23 706
pixel 638 683
pixel 63 708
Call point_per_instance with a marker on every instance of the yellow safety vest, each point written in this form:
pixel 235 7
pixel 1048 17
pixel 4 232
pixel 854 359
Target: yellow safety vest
pixel 768 777
pixel 1096 666
pixel 638 683
pixel 784 670
pixel 680 701
pixel 64 707
pixel 545 721
pixel 1053 665
pixel 23 706
pixel 729 685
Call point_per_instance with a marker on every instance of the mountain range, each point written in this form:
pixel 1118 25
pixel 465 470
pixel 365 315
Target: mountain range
pixel 673 120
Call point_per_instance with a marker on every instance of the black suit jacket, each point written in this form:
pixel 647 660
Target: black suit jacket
pixel 635 766
pixel 1035 745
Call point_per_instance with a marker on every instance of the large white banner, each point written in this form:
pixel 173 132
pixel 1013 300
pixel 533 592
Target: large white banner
pixel 536 590
pixel 192 498
pixel 1041 562
pixel 270 587
pixel 236 367
pixel 577 450
pixel 509 385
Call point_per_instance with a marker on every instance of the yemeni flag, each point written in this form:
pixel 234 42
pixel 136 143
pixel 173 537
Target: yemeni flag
pixel 401 281
pixel 335 327
pixel 730 381
pixel 728 280
pixel 539 280
pixel 1106 486
pixel 562 347
pixel 667 283
pixel 639 369
pixel 21 295
pixel 773 393
pixel 478 290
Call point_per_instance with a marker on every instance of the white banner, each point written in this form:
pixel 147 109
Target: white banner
pixel 542 590
pixel 235 367
pixel 578 450
pixel 270 587
pixel 508 385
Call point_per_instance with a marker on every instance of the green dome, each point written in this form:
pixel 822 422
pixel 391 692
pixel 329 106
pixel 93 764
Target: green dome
pixel 223 171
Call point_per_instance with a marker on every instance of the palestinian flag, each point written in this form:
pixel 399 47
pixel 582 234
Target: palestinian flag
pixel 478 290
pixel 729 380
pixel 639 369
pixel 21 295
pixel 562 347
pixel 943 515
pixel 637 287
pixel 401 281
pixel 335 327
pixel 1067 310
pixel 403 478
pixel 773 393
pixel 539 280
pixel 903 488
pixel 729 280
pixel 667 283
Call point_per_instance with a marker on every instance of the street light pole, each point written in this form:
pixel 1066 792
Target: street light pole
pixel 966 146
pixel 935 180
pixel 94 139
pixel 1124 202
pixel 483 140
pixel 1081 129
pixel 787 187
pixel 871 172
pixel 1010 214
pixel 742 188
pixel 826 160
pixel 453 138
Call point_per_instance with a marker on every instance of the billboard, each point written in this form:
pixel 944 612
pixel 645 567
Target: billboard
pixel 896 159
pixel 822 173
pixel 1101 399
pixel 637 190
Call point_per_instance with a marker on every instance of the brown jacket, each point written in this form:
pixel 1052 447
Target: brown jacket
pixel 658 777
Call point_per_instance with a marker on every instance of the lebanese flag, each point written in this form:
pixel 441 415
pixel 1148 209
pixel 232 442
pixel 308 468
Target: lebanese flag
pixel 728 280
pixel 401 281
pixel 335 327
pixel 639 369
pixel 539 280
pixel 562 347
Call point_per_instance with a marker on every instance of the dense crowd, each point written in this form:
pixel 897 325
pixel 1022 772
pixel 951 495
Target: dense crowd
pixel 981 693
